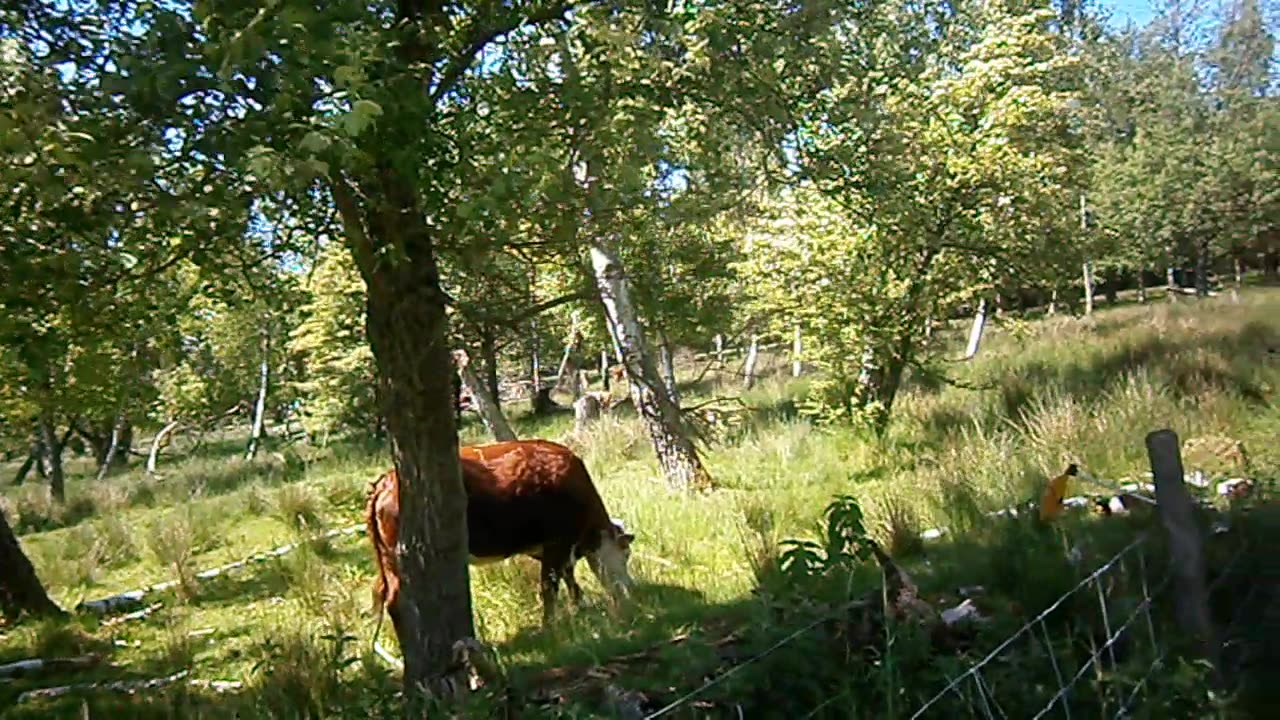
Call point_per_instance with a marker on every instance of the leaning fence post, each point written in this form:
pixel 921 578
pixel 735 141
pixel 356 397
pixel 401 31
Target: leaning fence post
pixel 1178 515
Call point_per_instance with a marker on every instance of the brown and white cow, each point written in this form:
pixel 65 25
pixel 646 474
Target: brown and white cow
pixel 524 497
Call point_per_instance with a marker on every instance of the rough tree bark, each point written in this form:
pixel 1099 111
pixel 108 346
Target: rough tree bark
pixel 667 365
pixel 1202 267
pixel 489 357
pixel 490 413
pixel 260 405
pixel 20 588
pixel 671 442
pixel 604 369
pixel 975 332
pixel 407 328
pixel 32 461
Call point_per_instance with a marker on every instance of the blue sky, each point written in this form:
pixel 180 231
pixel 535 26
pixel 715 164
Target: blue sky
pixel 1139 11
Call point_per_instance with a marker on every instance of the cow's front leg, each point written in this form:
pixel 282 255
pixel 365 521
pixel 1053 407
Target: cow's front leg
pixel 571 582
pixel 554 562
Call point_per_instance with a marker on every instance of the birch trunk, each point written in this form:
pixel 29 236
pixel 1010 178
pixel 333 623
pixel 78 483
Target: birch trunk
pixel 796 353
pixel 53 459
pixel 604 369
pixel 749 368
pixel 1088 288
pixel 570 347
pixel 720 350
pixel 260 405
pixel 673 446
pixel 157 442
pixel 535 363
pixel 1170 282
pixel 117 434
pixel 667 363
pixel 975 332
pixel 1053 302
pixel 490 413
pixel 1142 285
pixel 1237 268
pixel 20 589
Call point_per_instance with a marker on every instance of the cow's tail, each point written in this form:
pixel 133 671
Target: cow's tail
pixel 380 582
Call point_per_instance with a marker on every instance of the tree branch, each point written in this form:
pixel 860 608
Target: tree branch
pixel 482 35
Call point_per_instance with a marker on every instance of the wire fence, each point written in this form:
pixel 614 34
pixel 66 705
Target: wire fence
pixel 1098 650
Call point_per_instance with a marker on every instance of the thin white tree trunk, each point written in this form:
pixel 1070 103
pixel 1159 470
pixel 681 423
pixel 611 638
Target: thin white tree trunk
pixel 1238 267
pixel 975 332
pixel 749 369
pixel 720 349
pixel 157 442
pixel 570 346
pixel 490 412
pixel 796 352
pixel 1053 302
pixel 1142 284
pixel 535 363
pixel 117 429
pixel 1171 284
pixel 676 453
pixel 260 406
pixel 1088 287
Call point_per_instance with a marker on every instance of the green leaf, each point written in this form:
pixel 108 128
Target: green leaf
pixel 314 142
pixel 362 115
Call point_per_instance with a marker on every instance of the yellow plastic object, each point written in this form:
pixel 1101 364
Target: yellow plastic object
pixel 1054 492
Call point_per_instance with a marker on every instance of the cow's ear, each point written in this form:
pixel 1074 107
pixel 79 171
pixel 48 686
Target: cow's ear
pixel 625 539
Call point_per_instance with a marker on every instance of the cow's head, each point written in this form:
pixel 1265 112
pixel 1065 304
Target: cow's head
pixel 609 561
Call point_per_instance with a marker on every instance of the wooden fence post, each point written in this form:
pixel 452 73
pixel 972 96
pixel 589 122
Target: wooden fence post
pixel 1186 554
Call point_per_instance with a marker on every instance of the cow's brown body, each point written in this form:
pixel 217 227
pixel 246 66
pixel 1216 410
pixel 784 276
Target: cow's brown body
pixel 525 497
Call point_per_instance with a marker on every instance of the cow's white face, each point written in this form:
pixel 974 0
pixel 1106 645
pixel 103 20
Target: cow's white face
pixel 609 562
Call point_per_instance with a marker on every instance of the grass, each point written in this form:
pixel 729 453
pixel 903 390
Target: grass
pixel 295 629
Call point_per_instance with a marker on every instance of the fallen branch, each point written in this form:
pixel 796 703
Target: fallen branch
pixel 134 598
pixel 124 686
pixel 24 668
pixel 135 615
pixel 387 657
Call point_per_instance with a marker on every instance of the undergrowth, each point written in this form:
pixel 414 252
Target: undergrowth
pixel 719 568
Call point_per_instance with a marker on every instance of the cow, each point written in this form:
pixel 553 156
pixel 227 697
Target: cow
pixel 524 497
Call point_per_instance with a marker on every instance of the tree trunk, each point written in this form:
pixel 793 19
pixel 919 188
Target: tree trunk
pixel 880 382
pixel 490 413
pixel 260 406
pixel 796 353
pixel 1142 284
pixel 570 348
pixel 118 429
pixel 749 368
pixel 535 363
pixel 32 461
pixel 676 453
pixel 1237 267
pixel 407 331
pixel 1088 287
pixel 975 332
pixel 157 442
pixel 720 350
pixel 667 363
pixel 1171 284
pixel 1202 267
pixel 53 459
pixel 489 356
pixel 1053 302
pixel 604 369
pixel 20 589
pixel 1110 287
